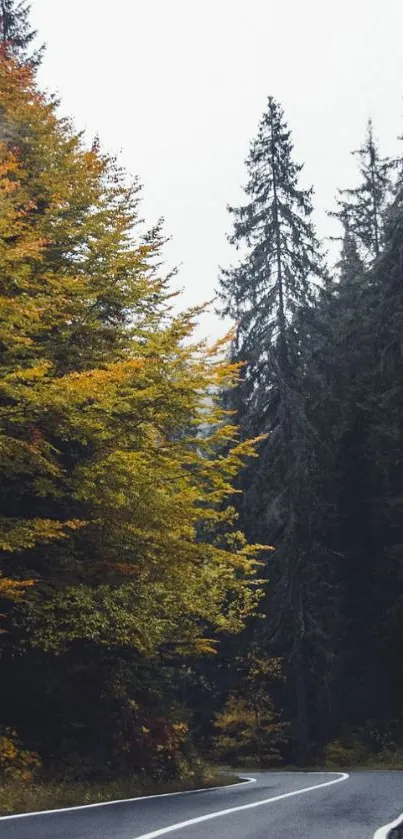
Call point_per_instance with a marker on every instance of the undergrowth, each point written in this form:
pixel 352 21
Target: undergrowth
pixel 19 796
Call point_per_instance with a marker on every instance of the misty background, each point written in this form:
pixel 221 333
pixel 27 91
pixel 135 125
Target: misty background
pixel 177 87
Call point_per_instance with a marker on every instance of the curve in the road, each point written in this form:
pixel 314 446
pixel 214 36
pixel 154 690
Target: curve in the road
pixel 275 805
pixel 342 776
pixel 242 780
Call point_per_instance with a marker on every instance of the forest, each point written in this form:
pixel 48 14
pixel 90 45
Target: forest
pixel 201 546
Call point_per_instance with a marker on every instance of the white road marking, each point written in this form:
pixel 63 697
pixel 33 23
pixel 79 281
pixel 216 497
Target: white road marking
pixel 383 832
pixel 241 783
pixel 172 827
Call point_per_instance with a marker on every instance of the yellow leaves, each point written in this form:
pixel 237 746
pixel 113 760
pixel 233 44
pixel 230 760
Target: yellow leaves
pixel 205 646
pixel 248 724
pixel 20 534
pixel 9 186
pixel 181 729
pixel 98 384
pixel 13 589
pixel 15 762
pixel 29 374
pixel 107 408
pixel 167 738
pixel 9 171
pixel 29 248
pixel 8 164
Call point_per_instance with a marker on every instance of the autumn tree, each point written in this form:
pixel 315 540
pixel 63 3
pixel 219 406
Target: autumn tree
pixel 249 727
pixel 110 497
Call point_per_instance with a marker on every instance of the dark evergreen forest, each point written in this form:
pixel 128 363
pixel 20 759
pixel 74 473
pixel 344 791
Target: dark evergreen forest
pixel 321 354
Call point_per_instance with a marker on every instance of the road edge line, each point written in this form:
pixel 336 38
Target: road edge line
pixel 244 780
pixel 383 831
pixel 154 834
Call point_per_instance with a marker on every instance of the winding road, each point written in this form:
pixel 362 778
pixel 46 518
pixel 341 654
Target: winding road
pixel 272 805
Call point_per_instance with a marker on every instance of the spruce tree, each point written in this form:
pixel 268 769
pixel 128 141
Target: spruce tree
pixel 271 294
pixel 362 209
pixel 16 35
pixel 386 448
pixel 358 410
pixel 265 290
pixel 351 267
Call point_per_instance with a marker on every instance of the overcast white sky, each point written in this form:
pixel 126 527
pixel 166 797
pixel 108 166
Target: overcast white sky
pixel 178 87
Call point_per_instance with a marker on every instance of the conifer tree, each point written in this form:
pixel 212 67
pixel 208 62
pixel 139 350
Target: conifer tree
pixel 264 292
pixel 270 294
pixel 351 267
pixel 362 209
pixel 356 399
pixel 16 36
pixel 365 403
pixel 386 447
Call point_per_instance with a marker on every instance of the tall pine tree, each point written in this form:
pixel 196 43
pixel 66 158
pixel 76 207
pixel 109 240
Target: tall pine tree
pixel 16 35
pixel 361 209
pixel 271 294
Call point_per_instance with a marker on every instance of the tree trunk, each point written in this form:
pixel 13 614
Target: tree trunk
pixel 301 701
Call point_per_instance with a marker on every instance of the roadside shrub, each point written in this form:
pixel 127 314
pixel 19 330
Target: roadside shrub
pixel 16 763
pixel 371 744
pixel 338 753
pixel 249 731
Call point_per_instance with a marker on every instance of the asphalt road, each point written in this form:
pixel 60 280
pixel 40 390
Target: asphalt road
pixel 283 805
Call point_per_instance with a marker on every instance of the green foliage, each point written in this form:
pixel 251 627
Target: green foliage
pixel 372 744
pixel 273 294
pixel 340 755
